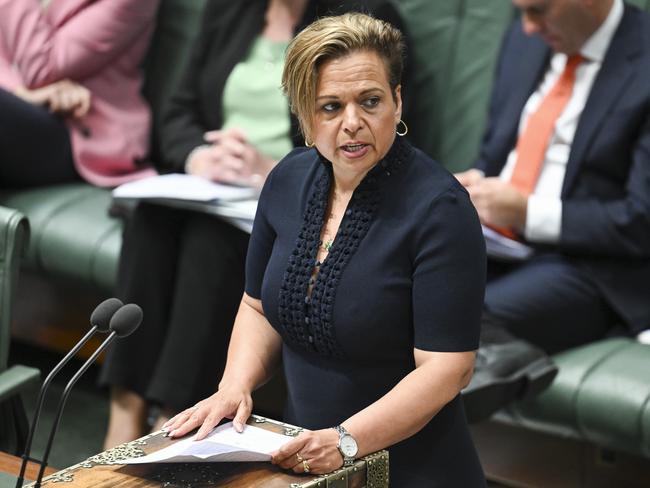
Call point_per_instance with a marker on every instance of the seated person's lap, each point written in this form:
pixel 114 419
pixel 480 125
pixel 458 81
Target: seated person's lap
pixel 34 145
pixel 548 301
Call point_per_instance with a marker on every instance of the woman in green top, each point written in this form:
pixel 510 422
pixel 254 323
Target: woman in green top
pixel 227 121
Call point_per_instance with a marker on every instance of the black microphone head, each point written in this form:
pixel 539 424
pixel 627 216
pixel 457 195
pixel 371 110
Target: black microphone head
pixel 103 313
pixel 126 319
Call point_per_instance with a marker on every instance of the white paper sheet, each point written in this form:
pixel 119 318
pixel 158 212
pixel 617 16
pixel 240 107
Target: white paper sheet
pixel 223 444
pixel 181 187
pixel 501 247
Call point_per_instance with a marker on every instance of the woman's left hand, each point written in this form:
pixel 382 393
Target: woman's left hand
pixel 313 451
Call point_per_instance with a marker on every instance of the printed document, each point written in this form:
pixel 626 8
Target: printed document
pixel 223 444
pixel 235 204
pixel 503 248
pixel 182 187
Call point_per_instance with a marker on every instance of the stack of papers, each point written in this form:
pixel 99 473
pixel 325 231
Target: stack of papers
pixel 223 444
pixel 182 187
pixel 236 204
pixel 503 248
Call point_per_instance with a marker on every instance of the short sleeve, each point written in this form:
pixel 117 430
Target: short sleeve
pixel 261 242
pixel 449 275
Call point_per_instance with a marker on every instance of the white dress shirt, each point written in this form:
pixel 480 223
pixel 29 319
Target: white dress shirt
pixel 544 213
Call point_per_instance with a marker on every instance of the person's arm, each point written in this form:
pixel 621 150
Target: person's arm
pixel 402 412
pixel 253 357
pixel 618 227
pixel 82 45
pixel 254 349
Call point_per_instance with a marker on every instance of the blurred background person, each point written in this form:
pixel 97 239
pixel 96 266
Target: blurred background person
pixel 70 101
pixel 365 274
pixel 565 166
pixel 228 121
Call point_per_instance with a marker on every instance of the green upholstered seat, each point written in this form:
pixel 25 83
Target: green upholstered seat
pixel 14 234
pixel 73 236
pixel 601 394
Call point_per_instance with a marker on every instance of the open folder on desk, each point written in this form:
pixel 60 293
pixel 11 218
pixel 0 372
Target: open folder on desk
pixel 223 444
pixel 503 248
pixel 236 204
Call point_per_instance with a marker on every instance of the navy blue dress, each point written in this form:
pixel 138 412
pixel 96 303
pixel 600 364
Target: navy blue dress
pixel 407 269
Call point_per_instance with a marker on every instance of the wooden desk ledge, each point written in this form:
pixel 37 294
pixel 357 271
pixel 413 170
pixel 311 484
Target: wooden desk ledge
pixel 10 464
pixel 105 471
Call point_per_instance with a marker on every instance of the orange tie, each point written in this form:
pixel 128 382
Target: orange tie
pixel 533 141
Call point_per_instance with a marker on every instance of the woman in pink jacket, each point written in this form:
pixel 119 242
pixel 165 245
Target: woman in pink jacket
pixel 70 101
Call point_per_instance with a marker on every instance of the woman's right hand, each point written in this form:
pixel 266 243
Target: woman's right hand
pixel 229 402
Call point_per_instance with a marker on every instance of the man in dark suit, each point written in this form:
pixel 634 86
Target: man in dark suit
pixel 572 87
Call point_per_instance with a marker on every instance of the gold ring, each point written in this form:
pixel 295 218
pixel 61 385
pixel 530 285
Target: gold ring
pixel 305 466
pixel 299 457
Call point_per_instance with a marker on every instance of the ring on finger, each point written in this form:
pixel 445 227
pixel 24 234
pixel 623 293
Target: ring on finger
pixel 305 466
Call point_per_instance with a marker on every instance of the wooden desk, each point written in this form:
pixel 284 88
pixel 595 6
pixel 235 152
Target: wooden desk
pixel 11 465
pixel 105 471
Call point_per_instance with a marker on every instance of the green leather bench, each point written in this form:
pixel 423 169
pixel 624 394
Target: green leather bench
pixel 601 395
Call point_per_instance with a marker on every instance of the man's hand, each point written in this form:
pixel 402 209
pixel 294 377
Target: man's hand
pixel 469 177
pixel 63 97
pixel 498 203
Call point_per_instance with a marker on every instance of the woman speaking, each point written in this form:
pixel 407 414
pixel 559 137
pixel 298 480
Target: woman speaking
pixel 365 275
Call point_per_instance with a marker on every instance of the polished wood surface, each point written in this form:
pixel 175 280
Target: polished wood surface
pixel 11 465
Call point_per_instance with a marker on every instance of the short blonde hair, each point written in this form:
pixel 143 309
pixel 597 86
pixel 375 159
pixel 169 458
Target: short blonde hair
pixel 330 38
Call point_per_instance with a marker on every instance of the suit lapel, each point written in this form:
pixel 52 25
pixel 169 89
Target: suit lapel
pixel 615 73
pixel 524 82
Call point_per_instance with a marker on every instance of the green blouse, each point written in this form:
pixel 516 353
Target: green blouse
pixel 253 99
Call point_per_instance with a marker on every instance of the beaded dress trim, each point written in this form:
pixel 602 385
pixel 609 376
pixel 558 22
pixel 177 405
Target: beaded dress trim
pixel 307 320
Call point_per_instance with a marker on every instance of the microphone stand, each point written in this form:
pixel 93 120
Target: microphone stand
pixel 64 397
pixel 40 401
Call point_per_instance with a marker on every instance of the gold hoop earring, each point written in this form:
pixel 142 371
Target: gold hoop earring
pixel 308 144
pixel 405 131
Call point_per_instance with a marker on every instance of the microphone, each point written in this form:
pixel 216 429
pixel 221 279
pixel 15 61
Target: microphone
pixel 100 321
pixel 123 323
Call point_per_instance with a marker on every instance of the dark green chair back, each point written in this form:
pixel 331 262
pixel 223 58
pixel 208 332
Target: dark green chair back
pixel 456 43
pixel 14 234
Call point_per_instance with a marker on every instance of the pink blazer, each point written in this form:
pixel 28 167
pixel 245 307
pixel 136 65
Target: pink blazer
pixel 100 44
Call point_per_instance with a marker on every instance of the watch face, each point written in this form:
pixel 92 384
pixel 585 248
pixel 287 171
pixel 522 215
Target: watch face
pixel 348 446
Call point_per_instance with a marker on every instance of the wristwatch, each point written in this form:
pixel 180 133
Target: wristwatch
pixel 347 446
